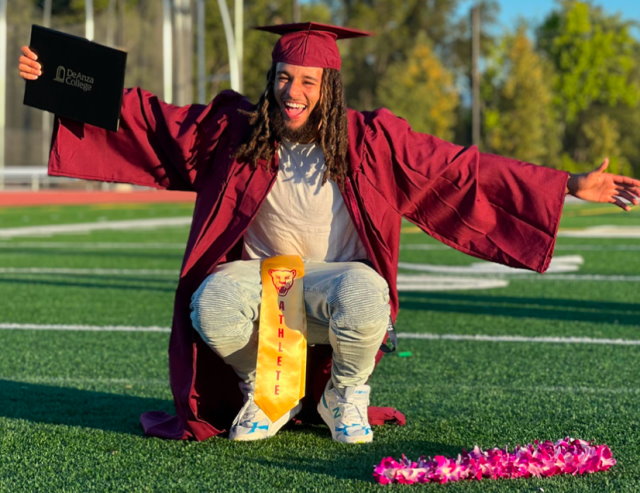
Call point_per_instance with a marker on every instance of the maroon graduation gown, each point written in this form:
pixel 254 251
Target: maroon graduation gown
pixel 488 206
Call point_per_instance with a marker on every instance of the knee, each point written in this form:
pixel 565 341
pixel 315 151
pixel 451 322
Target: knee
pixel 220 310
pixel 359 298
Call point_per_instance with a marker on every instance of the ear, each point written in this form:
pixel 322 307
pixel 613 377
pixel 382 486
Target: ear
pixel 271 271
pixel 293 273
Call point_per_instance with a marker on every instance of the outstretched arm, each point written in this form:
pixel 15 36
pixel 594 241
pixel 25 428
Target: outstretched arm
pixel 598 186
pixel 28 66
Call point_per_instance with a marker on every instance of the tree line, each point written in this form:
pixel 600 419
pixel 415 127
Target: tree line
pixel 563 92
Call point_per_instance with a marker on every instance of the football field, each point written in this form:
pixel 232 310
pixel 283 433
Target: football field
pixel 487 356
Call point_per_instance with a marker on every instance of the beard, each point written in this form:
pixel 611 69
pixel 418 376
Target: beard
pixel 307 133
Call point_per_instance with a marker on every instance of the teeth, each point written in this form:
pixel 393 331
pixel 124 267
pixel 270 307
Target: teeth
pixel 295 106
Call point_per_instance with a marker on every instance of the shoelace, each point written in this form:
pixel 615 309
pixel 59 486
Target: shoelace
pixel 247 413
pixel 352 410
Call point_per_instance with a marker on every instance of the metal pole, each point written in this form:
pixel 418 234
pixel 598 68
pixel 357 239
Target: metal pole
pixel 238 32
pixel 183 45
pixel 88 24
pixel 111 23
pixel 200 33
pixel 231 45
pixel 3 86
pixel 475 75
pixel 167 52
pixel 46 13
pixel 46 116
pixel 296 11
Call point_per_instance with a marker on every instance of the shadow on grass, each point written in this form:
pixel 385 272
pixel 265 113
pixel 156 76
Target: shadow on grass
pixel 75 407
pixel 351 462
pixel 509 306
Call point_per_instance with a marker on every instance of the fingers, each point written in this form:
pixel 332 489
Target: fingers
pixel 623 205
pixel 603 166
pixel 28 66
pixel 28 52
pixel 629 197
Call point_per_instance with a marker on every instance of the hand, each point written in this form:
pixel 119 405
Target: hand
pixel 28 67
pixel 598 186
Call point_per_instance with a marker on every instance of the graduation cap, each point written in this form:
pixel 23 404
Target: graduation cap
pixel 310 44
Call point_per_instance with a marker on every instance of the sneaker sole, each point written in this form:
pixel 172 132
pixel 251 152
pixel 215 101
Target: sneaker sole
pixel 246 437
pixel 325 414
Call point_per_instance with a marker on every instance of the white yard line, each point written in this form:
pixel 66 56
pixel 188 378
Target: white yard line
pixel 94 271
pixel 585 278
pixel 525 339
pixel 94 382
pixel 83 328
pixel 401 335
pixel 88 245
pixel 53 229
pixel 562 389
pixel 603 231
pixel 87 380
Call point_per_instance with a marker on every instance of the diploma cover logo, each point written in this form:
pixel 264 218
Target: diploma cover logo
pixel 282 279
pixel 72 78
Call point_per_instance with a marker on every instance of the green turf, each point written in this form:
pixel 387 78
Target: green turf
pixel 70 401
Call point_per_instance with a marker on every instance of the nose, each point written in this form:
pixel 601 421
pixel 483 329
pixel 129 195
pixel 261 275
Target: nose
pixel 293 90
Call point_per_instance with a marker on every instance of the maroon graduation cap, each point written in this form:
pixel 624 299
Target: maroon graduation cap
pixel 310 44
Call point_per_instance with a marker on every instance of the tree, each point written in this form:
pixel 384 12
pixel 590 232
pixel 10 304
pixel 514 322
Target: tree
pixel 422 90
pixel 396 26
pixel 257 44
pixel 519 119
pixel 594 57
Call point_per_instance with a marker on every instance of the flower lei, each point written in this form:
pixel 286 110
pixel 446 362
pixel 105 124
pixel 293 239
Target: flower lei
pixel 566 456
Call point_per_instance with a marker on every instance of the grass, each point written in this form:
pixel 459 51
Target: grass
pixel 70 400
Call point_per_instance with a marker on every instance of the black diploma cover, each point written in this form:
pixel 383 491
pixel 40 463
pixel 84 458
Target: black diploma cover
pixel 80 80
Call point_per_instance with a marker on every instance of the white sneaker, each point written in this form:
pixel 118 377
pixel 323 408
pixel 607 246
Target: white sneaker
pixel 252 423
pixel 346 413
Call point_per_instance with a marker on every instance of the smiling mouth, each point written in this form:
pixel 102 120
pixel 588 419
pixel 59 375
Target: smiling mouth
pixel 294 110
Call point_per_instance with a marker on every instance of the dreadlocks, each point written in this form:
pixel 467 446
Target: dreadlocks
pixel 330 116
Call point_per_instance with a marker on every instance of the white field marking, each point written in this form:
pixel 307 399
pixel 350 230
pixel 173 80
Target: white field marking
pixel 426 282
pixel 600 248
pixel 402 335
pixel 163 382
pixel 507 338
pixel 584 278
pixel 53 229
pixel 574 390
pixel 587 248
pixel 95 271
pixel 83 328
pixel 86 380
pixel 562 263
pixel 538 388
pixel 430 282
pixel 86 245
pixel 602 232
pixel 423 246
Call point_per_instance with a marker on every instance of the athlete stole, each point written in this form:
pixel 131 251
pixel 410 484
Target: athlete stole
pixel 282 336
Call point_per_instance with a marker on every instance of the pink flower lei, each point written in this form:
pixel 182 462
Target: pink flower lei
pixel 540 459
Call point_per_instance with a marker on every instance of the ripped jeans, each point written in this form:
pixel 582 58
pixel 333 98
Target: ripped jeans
pixel 346 303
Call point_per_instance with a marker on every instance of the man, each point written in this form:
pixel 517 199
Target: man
pixel 301 174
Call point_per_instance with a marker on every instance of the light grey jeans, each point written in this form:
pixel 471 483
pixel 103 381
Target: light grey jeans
pixel 347 306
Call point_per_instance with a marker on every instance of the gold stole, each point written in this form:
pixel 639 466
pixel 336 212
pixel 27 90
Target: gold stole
pixel 282 336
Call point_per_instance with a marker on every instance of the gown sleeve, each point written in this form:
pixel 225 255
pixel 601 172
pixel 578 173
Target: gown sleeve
pixel 489 206
pixel 158 145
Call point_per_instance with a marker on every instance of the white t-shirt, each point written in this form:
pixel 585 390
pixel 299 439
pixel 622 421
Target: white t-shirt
pixel 300 215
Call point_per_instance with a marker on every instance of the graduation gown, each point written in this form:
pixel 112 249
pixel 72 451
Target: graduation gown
pixel 488 206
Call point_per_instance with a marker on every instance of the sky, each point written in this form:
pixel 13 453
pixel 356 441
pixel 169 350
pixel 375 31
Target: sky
pixel 536 10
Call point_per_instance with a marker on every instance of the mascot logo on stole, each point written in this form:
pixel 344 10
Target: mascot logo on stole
pixel 282 279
